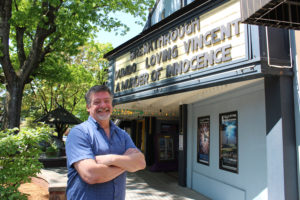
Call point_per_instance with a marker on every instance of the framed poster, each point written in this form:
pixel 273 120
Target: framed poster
pixel 228 146
pixel 203 140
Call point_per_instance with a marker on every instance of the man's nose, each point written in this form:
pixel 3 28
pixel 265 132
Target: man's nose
pixel 102 103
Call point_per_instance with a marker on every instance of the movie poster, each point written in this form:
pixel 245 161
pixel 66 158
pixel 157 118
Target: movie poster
pixel 229 141
pixel 203 140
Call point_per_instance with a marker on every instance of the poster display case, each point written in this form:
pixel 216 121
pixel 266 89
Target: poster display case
pixel 166 148
pixel 203 140
pixel 228 123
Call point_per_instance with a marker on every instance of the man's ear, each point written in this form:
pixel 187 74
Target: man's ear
pixel 87 107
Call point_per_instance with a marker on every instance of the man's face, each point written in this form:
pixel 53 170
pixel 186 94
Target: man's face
pixel 101 106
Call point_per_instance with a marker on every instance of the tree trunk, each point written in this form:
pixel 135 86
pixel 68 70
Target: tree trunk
pixel 13 105
pixel 60 129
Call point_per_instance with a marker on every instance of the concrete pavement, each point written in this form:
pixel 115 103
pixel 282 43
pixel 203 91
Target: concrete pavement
pixel 142 185
pixel 146 185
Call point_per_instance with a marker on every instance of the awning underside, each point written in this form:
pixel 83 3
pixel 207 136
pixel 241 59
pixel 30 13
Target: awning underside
pixel 275 13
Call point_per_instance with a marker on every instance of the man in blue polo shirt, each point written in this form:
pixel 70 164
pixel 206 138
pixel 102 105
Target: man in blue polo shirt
pixel 99 153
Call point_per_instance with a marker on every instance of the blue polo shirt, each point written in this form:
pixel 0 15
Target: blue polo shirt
pixel 85 141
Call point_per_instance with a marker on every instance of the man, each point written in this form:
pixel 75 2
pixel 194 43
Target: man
pixel 99 153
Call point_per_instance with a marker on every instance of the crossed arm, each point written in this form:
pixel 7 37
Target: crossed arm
pixel 107 167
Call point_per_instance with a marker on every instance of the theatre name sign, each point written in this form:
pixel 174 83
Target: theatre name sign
pixel 204 42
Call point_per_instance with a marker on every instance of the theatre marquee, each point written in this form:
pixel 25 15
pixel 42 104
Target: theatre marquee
pixel 207 41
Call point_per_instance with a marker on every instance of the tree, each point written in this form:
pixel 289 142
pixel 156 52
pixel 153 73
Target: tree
pixel 35 31
pixel 53 88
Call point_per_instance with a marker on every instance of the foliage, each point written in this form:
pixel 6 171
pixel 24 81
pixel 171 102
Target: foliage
pixel 66 86
pixel 37 34
pixel 19 155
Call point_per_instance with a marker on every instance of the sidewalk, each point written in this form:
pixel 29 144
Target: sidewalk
pixel 146 185
pixel 142 185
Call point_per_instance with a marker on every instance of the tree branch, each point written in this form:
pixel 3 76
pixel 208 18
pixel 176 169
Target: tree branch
pixel 43 96
pixel 52 96
pixel 16 5
pixel 74 104
pixel 20 44
pixel 31 87
pixel 48 48
pixel 44 30
pixel 56 95
pixel 74 94
pixel 5 16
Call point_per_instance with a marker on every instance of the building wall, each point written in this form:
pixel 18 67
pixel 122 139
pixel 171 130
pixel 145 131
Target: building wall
pixel 251 180
pixel 296 57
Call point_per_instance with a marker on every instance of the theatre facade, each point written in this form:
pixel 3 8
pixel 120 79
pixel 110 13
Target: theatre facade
pixel 208 96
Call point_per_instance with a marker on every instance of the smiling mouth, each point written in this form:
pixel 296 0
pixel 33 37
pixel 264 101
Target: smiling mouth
pixel 103 110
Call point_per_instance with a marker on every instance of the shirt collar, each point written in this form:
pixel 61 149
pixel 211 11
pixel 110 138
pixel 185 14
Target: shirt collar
pixel 111 124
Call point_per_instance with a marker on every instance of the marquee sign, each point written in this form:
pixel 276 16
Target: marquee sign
pixel 205 41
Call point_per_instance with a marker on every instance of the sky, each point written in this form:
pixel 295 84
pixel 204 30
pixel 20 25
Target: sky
pixel 135 29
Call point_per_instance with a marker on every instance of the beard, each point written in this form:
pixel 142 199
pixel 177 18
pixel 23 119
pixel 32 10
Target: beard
pixel 103 114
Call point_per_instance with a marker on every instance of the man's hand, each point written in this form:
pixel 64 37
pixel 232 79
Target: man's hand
pixel 132 160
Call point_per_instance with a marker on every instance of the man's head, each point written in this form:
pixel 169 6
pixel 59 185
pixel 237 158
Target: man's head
pixel 99 102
